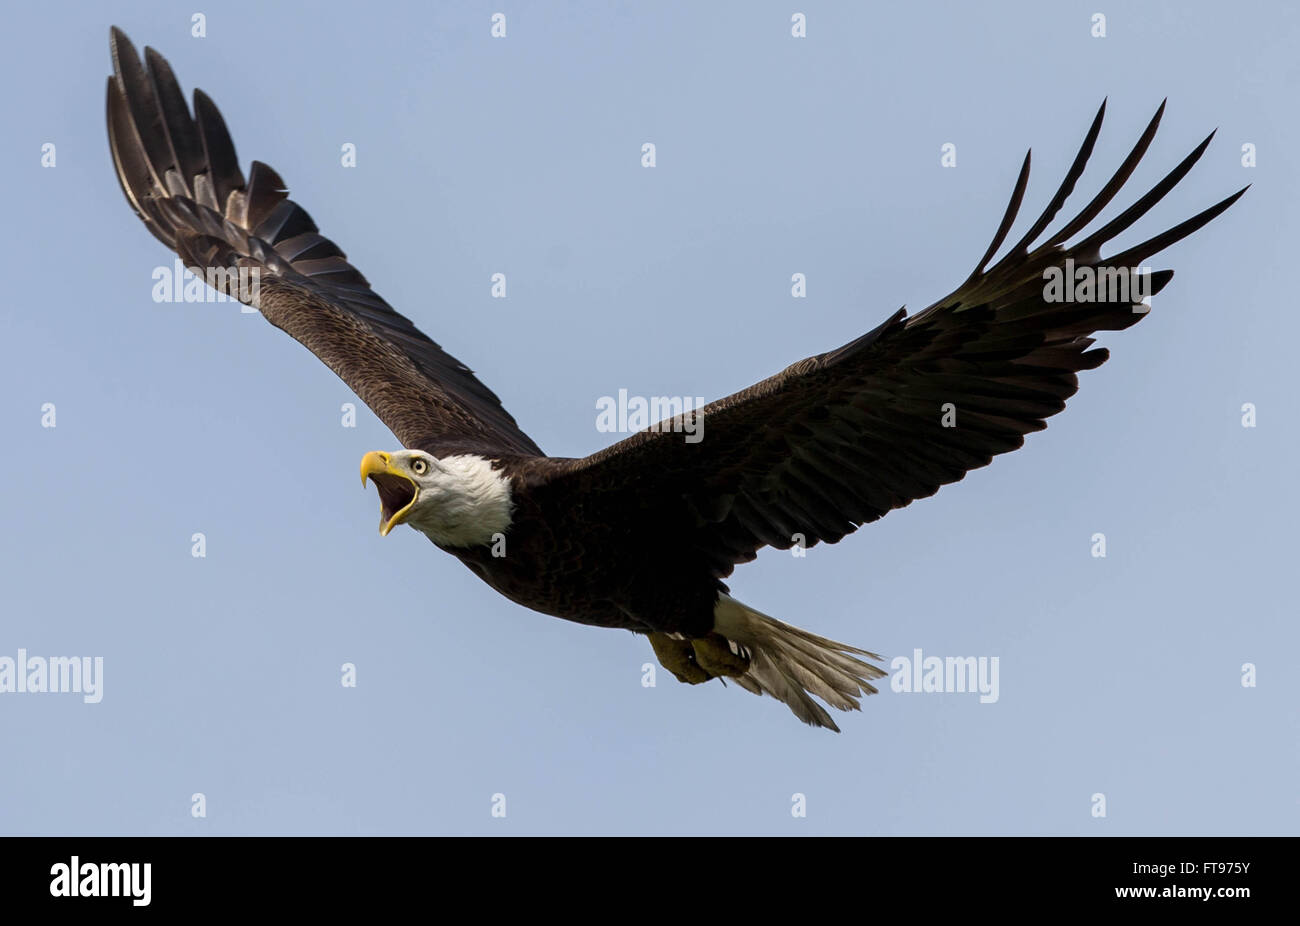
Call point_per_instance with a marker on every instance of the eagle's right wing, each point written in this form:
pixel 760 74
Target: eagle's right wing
pixel 180 174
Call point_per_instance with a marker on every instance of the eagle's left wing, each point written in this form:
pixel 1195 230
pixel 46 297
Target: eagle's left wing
pixel 844 437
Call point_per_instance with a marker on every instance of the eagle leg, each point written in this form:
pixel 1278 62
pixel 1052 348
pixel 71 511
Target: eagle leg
pixel 677 656
pixel 717 656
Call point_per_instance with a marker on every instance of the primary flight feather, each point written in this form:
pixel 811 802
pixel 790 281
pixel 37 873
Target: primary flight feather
pixel 642 534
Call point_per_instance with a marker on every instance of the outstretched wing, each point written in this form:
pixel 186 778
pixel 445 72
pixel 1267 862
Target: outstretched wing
pixel 843 438
pixel 180 174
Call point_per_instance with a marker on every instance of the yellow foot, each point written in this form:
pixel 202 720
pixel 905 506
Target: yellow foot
pixel 713 654
pixel 678 657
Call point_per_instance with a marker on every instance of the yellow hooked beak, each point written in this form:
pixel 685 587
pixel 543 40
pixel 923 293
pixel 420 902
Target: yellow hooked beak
pixel 397 490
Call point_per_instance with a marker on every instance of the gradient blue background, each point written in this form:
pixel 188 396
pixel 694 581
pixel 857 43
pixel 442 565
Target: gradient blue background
pixel 222 675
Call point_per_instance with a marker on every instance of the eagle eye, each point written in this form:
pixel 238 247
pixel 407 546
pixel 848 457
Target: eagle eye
pixel 419 467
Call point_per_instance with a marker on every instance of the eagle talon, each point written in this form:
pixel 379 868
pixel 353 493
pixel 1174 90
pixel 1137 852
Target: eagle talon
pixel 678 657
pixel 715 656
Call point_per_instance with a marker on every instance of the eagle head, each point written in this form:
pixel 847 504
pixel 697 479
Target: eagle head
pixel 458 501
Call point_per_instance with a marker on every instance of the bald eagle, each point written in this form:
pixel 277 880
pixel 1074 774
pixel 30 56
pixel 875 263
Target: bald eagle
pixel 642 534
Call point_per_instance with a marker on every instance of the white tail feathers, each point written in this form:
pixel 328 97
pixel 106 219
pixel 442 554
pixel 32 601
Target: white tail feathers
pixel 792 664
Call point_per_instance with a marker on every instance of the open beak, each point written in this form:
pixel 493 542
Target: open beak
pixel 397 491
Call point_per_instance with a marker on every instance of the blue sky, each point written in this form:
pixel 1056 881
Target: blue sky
pixel 1119 676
